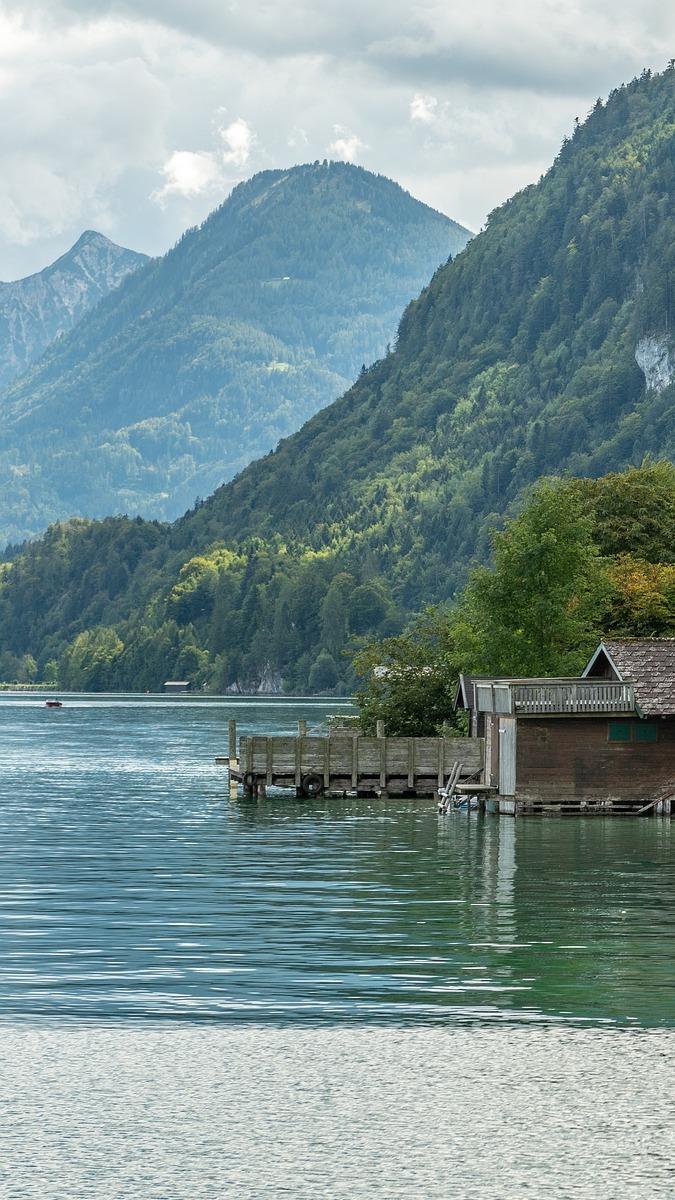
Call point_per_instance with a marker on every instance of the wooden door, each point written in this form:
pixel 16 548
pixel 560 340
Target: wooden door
pixel 507 756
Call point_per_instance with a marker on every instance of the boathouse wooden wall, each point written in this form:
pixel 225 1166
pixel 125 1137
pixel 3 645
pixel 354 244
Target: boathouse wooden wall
pixel 565 759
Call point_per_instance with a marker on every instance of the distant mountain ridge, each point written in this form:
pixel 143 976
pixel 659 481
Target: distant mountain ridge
pixel 545 347
pixel 42 307
pixel 204 359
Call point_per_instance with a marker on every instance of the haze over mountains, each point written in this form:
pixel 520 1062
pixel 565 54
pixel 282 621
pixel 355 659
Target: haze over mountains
pixel 205 358
pixel 546 346
pixel 37 310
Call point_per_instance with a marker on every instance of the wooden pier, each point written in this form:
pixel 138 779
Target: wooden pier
pixel 345 762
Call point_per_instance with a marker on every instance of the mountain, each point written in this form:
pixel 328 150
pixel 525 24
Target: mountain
pixel 37 310
pixel 204 358
pixel 546 346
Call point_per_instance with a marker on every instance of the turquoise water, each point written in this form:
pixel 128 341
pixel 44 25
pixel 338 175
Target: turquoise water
pixel 134 888
pixel 207 997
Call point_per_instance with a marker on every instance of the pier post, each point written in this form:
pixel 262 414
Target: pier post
pixel 232 758
pixel 384 793
pixel 302 729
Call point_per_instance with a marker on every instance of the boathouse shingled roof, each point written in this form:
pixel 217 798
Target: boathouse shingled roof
pixel 647 663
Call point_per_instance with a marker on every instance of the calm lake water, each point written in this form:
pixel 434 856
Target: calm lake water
pixel 202 997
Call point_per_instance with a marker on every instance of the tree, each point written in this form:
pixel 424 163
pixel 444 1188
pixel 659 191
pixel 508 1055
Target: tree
pixel 642 599
pixel 408 681
pixel 323 674
pixel 89 662
pixel 537 610
pixel 633 511
pixel 334 612
pixel 28 669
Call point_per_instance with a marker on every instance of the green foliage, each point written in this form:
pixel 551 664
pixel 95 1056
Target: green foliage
pixel 88 664
pixel 641 602
pixel 222 618
pixel 543 604
pixel 323 673
pixel 537 610
pixel 516 362
pixel 635 508
pixel 408 681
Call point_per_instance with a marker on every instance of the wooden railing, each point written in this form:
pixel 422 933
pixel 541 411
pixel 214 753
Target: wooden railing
pixel 582 697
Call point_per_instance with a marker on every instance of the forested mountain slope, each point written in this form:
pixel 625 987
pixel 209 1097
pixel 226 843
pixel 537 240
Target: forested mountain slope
pixel 544 347
pixel 207 356
pixel 520 358
pixel 36 310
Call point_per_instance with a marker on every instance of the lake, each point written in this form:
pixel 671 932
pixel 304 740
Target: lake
pixel 208 997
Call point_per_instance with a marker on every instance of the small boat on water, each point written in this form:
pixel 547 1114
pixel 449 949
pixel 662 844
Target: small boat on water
pixel 54 703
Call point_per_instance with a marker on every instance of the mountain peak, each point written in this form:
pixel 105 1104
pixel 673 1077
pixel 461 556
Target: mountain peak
pixel 42 307
pixel 208 356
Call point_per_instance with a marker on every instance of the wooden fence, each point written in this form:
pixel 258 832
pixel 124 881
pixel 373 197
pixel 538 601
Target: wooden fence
pixel 380 765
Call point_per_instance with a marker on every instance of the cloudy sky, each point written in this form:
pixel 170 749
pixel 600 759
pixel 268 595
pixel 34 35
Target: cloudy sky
pixel 136 117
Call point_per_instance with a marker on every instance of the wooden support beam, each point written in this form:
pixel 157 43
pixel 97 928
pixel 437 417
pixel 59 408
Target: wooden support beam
pixel 232 757
pixel 298 758
pixel 326 764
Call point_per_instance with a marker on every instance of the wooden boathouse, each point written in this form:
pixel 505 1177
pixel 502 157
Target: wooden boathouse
pixel 600 743
pixel 345 762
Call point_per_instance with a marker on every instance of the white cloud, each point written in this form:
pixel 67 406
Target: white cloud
pixel 107 103
pixel 423 108
pixel 191 173
pixel 238 137
pixel 187 174
pixel 347 146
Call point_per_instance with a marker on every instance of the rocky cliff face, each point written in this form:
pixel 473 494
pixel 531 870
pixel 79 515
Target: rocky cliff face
pixel 36 310
pixel 654 356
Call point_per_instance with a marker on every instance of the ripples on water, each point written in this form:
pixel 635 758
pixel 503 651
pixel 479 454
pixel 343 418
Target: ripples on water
pixel 341 1112
pixel 315 938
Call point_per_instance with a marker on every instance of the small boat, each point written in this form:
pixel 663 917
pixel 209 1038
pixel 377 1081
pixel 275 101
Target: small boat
pixel 468 802
pixel 54 703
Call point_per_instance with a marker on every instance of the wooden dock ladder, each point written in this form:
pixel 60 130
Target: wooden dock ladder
pixel 448 791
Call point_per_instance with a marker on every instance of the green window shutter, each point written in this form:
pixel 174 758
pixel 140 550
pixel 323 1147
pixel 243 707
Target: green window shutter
pixel 619 731
pixel 645 731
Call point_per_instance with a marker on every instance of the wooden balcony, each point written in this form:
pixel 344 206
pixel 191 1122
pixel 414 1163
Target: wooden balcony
pixel 566 697
pixel 532 697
